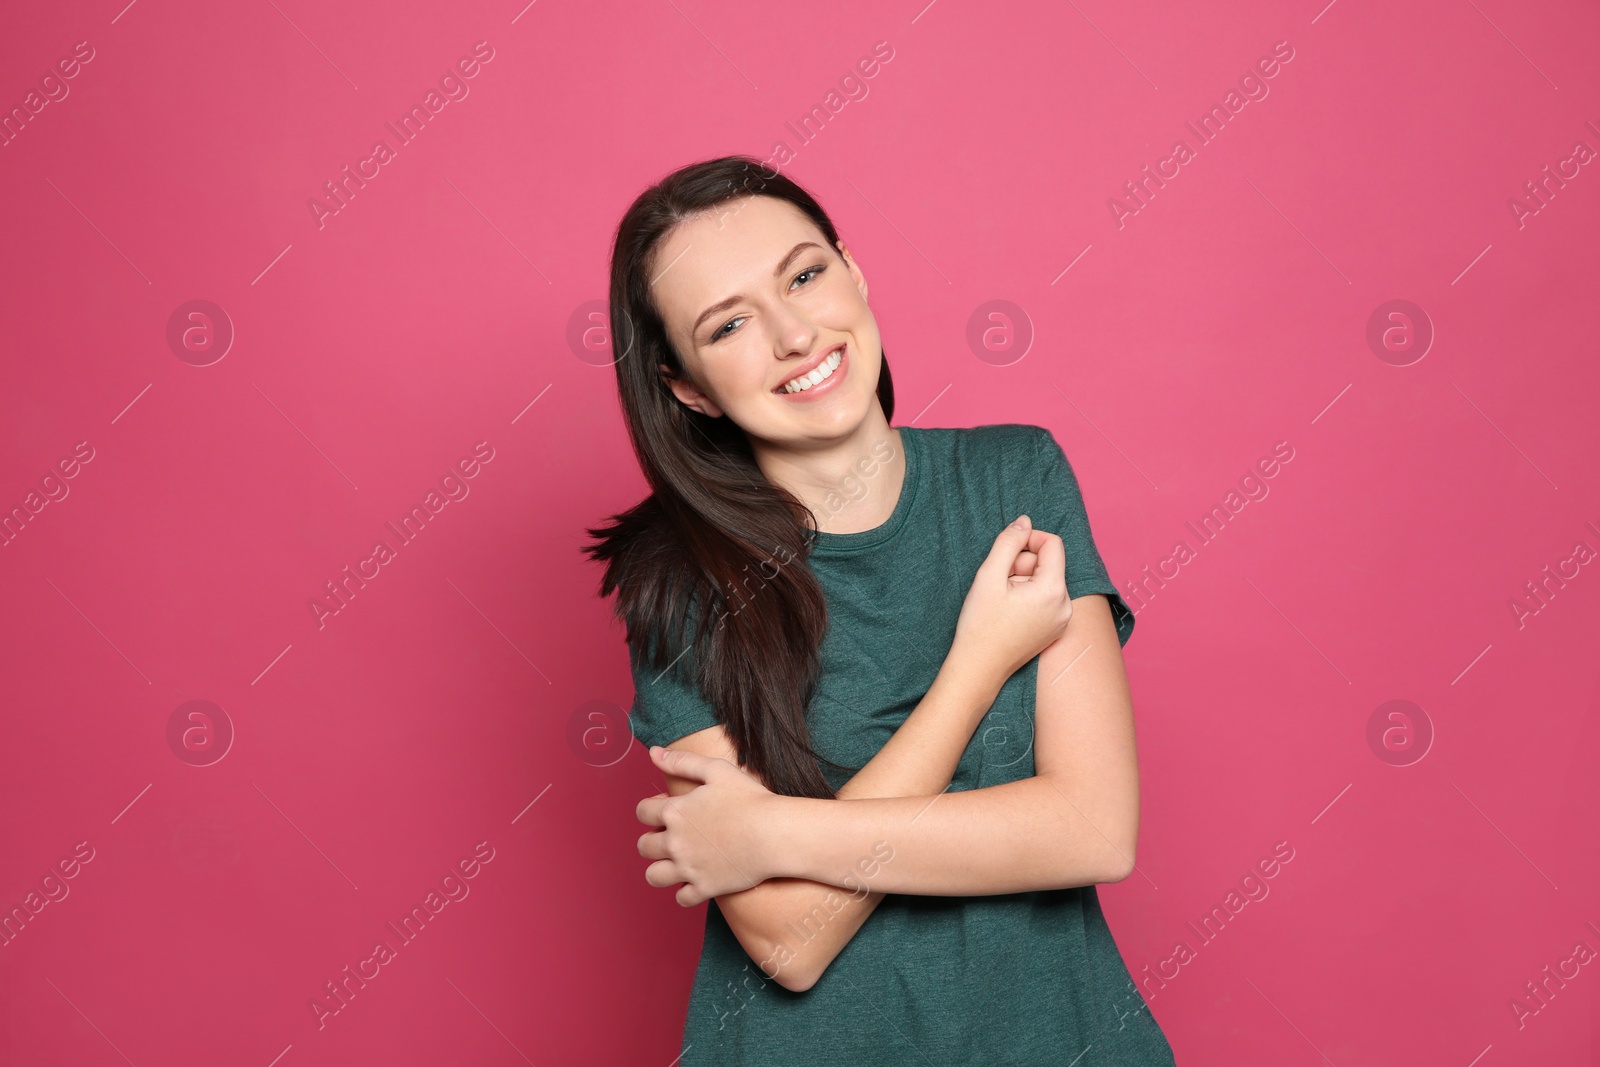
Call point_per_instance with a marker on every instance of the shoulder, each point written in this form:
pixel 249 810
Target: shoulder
pixel 999 439
pixel 1012 451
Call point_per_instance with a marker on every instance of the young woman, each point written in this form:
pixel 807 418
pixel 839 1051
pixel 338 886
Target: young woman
pixel 887 661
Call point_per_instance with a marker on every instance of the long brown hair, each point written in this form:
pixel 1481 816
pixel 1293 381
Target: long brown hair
pixel 715 540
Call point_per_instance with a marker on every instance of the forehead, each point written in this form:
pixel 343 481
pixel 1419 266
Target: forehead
pixel 732 248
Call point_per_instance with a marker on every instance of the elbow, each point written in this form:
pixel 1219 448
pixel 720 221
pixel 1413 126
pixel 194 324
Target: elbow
pixel 780 963
pixel 795 980
pixel 795 974
pixel 1119 862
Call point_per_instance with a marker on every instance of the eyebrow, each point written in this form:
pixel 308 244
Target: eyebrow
pixel 723 305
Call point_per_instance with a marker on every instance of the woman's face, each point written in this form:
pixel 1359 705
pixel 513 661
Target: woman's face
pixel 751 296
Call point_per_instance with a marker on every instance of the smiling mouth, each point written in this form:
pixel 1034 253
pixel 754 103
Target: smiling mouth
pixel 821 372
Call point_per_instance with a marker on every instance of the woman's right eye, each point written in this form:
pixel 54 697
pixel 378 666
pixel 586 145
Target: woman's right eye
pixel 719 334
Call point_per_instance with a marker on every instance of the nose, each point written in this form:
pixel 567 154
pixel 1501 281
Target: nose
pixel 796 334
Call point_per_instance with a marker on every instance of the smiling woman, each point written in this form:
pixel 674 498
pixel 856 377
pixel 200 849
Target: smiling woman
pixel 822 721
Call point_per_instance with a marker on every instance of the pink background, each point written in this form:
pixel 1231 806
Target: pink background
pixel 475 689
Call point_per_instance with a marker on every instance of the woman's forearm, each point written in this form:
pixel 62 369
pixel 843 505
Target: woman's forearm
pixel 921 757
pixel 1016 837
pixel 806 922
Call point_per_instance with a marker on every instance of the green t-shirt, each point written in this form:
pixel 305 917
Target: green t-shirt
pixel 1019 978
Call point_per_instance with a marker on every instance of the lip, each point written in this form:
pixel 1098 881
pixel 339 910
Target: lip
pixel 812 364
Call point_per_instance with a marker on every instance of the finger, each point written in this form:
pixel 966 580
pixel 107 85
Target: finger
pixel 1052 565
pixel 689 896
pixel 1007 544
pixel 682 763
pixel 661 874
pixel 652 810
pixel 1027 560
pixel 653 845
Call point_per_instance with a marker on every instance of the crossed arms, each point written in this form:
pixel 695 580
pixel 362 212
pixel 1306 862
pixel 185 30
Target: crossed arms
pixel 1075 822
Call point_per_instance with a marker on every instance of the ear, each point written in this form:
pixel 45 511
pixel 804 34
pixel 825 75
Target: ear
pixel 689 395
pixel 855 271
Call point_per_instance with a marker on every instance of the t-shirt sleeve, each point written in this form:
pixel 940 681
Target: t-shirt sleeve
pixel 1062 512
pixel 666 705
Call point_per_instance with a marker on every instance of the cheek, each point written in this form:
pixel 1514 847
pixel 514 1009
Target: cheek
pixel 741 372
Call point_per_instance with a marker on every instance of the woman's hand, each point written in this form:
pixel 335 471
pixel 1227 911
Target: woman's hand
pixel 711 838
pixel 1018 604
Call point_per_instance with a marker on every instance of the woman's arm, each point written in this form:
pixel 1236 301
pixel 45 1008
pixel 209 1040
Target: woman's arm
pixel 1017 605
pixel 1074 823
pixel 770 919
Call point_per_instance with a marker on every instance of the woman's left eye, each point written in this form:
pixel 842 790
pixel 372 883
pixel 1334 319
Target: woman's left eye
pixel 723 330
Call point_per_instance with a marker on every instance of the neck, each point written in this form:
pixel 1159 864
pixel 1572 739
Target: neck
pixel 851 484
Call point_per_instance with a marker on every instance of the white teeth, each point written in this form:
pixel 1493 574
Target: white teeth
pixel 823 372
